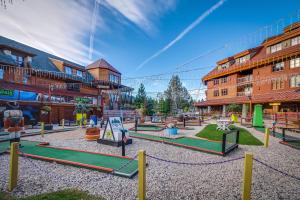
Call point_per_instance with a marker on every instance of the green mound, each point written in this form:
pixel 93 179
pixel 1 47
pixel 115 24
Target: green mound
pixel 246 138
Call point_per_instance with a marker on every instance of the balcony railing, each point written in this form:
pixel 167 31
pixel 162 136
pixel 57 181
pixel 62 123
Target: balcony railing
pixel 245 80
pixel 243 93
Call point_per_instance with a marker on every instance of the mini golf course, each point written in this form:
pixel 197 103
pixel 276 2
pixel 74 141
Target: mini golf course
pixel 291 141
pixel 186 142
pixel 148 127
pixel 103 162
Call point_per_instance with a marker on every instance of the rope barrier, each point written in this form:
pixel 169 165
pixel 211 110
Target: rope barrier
pixel 277 170
pixel 195 164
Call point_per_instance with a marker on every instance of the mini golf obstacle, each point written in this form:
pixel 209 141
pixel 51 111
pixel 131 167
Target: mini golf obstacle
pixel 289 140
pixel 117 165
pixel 113 135
pixel 228 144
pixel 147 127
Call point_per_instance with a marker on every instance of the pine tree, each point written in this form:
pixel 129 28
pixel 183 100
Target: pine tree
pixel 141 97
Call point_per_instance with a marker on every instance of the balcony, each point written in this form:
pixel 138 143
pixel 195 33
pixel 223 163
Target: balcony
pixel 244 80
pixel 244 93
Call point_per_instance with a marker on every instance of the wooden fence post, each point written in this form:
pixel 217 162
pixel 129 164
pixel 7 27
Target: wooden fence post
pixel 247 179
pixel 142 174
pixel 267 136
pixel 42 129
pixel 13 166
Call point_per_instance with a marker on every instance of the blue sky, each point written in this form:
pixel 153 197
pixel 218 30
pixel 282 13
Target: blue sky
pixel 128 32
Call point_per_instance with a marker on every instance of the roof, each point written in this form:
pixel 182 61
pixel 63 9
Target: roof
pixel 280 96
pixel 102 64
pixel 40 60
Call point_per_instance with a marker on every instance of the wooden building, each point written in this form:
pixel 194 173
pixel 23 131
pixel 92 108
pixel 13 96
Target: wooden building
pixel 36 79
pixel 268 74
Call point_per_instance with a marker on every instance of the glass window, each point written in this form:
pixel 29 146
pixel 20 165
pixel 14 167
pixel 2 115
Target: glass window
pixel 224 92
pixel 276 47
pixel 18 59
pixel 278 67
pixel 295 81
pixel 295 41
pixel 295 63
pixel 224 80
pixel 68 70
pixel 216 93
pixel 216 81
pixel 79 73
pixel 277 84
pixel 1 74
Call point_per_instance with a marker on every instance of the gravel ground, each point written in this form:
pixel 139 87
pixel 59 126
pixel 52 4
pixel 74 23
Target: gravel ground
pixel 164 180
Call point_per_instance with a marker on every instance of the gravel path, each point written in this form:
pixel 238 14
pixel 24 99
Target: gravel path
pixel 164 180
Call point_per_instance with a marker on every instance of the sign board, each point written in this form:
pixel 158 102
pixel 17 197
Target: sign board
pixel 113 129
pixel 83 100
pixel 5 92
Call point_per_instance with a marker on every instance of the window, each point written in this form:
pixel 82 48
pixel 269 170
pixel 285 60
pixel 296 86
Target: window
pixel 224 80
pixel 113 78
pixel 18 59
pixel 243 59
pixel 1 74
pixel 216 81
pixel 224 66
pixel 295 81
pixel 79 73
pixel 295 63
pixel 278 67
pixel 277 84
pixel 295 40
pixel 216 93
pixel 68 70
pixel 224 92
pixel 276 47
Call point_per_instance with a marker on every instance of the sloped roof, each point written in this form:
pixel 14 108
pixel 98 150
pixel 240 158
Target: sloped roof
pixel 40 60
pixel 103 64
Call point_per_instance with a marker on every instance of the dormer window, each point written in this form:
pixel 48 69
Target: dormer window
pixel 79 73
pixel 18 59
pixel 295 41
pixel 276 47
pixel 68 70
pixel 224 66
pixel 243 59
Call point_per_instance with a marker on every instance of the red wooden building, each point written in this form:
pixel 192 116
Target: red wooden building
pixel 36 79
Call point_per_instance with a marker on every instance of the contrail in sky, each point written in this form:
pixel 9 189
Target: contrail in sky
pixel 93 27
pixel 183 33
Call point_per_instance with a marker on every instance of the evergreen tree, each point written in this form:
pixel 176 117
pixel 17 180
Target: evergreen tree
pixel 177 95
pixel 141 97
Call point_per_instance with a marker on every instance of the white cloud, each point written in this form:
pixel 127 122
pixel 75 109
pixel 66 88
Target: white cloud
pixel 63 27
pixel 141 12
pixel 54 26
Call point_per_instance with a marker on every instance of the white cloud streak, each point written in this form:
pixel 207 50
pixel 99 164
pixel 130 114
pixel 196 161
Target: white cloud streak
pixel 183 33
pixel 57 27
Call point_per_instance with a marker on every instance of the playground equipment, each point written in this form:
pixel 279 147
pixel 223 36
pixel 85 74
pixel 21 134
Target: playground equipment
pixel 258 116
pixel 112 134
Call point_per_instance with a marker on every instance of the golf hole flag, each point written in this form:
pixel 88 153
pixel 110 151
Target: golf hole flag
pixel 113 129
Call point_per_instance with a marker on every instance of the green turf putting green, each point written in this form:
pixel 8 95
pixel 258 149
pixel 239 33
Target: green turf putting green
pixel 191 143
pixel 148 127
pixel 245 137
pixel 103 162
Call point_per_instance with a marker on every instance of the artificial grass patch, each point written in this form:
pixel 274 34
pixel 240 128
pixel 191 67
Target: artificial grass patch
pixel 246 138
pixel 69 194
